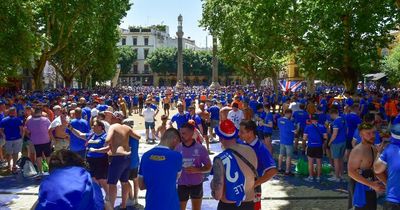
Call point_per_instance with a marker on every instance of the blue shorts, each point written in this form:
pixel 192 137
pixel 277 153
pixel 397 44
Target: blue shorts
pixel 338 150
pixel 262 135
pixel 149 125
pixel 286 150
pixel 119 169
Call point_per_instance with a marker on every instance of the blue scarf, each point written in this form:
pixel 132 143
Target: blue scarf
pixel 234 178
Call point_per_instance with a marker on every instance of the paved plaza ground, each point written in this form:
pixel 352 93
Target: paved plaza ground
pixel 282 192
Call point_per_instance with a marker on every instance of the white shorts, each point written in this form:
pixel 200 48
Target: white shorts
pixel 13 147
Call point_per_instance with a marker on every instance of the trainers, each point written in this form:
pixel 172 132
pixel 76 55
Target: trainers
pixel 318 179
pixel 309 179
pixel 334 179
pixel 130 202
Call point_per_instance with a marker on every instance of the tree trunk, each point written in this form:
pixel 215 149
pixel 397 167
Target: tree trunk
pixel 84 80
pixel 37 72
pixel 257 81
pixel 310 83
pixel 350 82
pixel 348 73
pixel 274 77
pixel 37 80
pixel 68 80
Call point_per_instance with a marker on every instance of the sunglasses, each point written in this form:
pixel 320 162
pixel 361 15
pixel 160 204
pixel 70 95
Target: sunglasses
pixel 365 126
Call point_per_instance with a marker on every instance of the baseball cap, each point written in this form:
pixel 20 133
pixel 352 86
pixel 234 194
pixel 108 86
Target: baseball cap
pixel 395 131
pixel 119 115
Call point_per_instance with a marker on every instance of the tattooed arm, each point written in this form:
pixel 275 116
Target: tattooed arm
pixel 217 183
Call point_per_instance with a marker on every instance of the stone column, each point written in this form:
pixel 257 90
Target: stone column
pixel 179 75
pixel 214 83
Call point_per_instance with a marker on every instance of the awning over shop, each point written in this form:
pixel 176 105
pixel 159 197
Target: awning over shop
pixel 375 77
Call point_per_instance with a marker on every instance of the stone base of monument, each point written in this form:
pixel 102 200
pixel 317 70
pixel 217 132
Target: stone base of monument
pixel 180 85
pixel 215 85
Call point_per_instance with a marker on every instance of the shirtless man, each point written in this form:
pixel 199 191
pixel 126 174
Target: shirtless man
pixel 205 121
pixel 363 185
pixel 233 192
pixel 119 151
pixel 166 104
pixel 163 127
pixel 57 128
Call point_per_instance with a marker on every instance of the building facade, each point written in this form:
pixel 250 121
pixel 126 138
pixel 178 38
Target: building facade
pixel 145 40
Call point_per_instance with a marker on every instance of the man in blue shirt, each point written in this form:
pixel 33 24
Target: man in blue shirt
pixel 2 140
pixel 11 128
pixel 214 117
pixel 349 100
pixel 315 134
pixel 188 102
pixel 77 144
pixel 266 167
pixel 286 134
pixel 352 120
pixel 300 120
pixel 86 112
pixel 159 170
pixel 389 162
pixel 337 143
pixel 180 118
pixel 265 123
pixel 396 120
pixel 253 104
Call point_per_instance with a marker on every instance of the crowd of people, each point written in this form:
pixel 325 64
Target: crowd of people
pixel 88 135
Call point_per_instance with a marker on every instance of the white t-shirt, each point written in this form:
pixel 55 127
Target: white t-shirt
pixel 148 114
pixel 106 125
pixel 294 106
pixel 236 117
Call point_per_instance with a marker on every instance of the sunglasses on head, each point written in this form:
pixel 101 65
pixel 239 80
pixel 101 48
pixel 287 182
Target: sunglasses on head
pixel 365 126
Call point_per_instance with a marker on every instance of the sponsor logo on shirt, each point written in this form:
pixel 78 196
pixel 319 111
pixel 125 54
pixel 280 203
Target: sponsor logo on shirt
pixel 157 157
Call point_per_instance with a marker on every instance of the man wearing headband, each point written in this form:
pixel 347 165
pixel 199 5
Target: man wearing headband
pixel 235 192
pixel 363 185
pixel 389 162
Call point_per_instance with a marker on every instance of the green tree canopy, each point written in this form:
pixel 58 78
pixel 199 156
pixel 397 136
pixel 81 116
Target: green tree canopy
pixel 333 40
pixel 42 28
pixel 392 65
pixel 196 63
pixel 92 45
pixel 127 55
pixel 341 39
pixel 16 36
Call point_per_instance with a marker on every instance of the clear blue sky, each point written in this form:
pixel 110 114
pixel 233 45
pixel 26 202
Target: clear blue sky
pixel 152 12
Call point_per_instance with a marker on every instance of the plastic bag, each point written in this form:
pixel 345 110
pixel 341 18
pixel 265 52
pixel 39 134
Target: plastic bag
pixel 302 167
pixel 326 169
pixel 28 169
pixel 45 166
